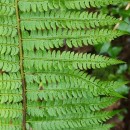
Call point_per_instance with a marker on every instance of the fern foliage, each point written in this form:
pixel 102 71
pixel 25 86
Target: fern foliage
pixel 64 19
pixel 68 59
pixel 76 38
pixel 45 5
pixel 42 88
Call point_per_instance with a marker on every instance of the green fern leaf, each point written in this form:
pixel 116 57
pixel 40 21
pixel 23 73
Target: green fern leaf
pixel 11 111
pixel 76 38
pixel 48 89
pixel 9 63
pixel 94 127
pixel 43 60
pixel 45 5
pixel 10 124
pixel 74 78
pixel 7 7
pixel 65 123
pixel 9 45
pixel 64 19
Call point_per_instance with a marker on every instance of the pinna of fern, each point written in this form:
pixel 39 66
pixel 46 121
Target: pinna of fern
pixel 75 79
pixel 86 121
pixel 45 5
pixel 65 19
pixel 40 60
pixel 85 104
pixel 9 45
pixel 77 38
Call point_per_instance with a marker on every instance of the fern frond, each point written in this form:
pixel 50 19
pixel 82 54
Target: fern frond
pixel 73 77
pixel 52 75
pixel 7 21
pixel 68 106
pixel 57 38
pixel 40 89
pixel 10 124
pixel 7 31
pixel 70 122
pixel 94 127
pixel 9 63
pixel 44 5
pixel 11 110
pixel 66 91
pixel 8 26
pixel 64 19
pixel 40 60
pixel 9 45
pixel 10 96
pixel 7 7
pixel 10 82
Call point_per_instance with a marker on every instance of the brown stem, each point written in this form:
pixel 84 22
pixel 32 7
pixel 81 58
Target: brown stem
pixel 21 65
